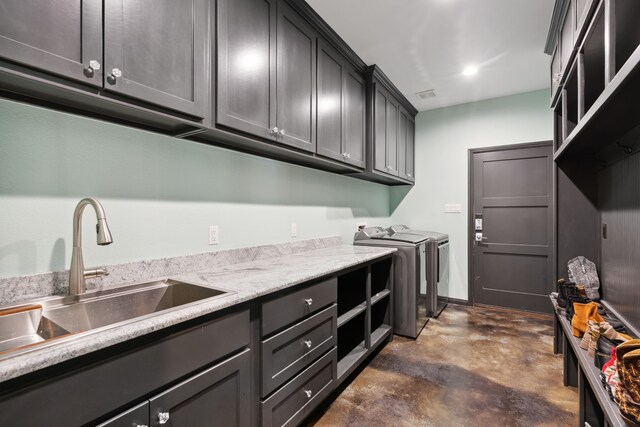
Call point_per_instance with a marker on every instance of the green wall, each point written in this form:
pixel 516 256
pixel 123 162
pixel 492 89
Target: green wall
pixel 443 138
pixel 160 193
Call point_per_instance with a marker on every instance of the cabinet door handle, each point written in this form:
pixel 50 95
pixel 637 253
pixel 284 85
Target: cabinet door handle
pixel 309 393
pixel 91 68
pixel 308 344
pixel 308 301
pixel 141 425
pixel 163 417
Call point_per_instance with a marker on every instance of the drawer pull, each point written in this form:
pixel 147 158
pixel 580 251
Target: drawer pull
pixel 308 344
pixel 308 301
pixel 163 417
pixel 308 393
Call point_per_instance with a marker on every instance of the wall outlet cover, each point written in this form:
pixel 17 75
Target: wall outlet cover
pixel 214 234
pixel 294 229
pixel 453 208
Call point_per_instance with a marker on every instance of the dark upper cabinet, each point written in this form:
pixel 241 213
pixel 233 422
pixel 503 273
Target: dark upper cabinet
pixel 556 73
pixel 61 37
pixel 246 75
pixel 330 102
pixel 391 131
pixel 295 80
pixel 155 52
pixel 566 36
pixel 266 72
pixel 340 108
pixel 406 136
pixel 386 131
pixel 355 117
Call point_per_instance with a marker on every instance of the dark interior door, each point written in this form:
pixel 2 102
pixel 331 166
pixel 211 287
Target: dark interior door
pixel 513 196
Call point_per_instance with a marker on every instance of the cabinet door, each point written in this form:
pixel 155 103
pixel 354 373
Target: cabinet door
pixel 355 117
pixel 555 71
pixel 219 396
pixel 155 52
pixel 330 102
pixel 380 130
pixel 62 37
pixel 136 416
pixel 566 36
pixel 410 166
pixel 246 74
pixel 295 80
pixel 403 118
pixel 393 113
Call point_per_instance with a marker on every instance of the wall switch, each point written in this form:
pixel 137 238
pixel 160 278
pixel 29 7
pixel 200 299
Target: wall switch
pixel 213 234
pixel 361 226
pixel 294 229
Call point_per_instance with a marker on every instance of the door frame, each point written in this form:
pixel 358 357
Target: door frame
pixel 470 213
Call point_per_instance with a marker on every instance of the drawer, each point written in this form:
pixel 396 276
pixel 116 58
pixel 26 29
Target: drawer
pixel 297 399
pixel 293 349
pixel 287 309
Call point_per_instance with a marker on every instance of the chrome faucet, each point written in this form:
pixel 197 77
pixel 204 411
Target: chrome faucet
pixel 78 274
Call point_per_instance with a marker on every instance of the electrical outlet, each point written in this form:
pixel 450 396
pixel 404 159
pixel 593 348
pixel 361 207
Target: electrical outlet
pixel 214 234
pixel 361 226
pixel 294 229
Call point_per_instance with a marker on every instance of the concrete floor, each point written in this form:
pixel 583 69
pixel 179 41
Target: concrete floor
pixel 471 367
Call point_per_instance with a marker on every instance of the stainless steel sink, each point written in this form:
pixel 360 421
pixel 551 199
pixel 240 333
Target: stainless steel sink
pixel 59 317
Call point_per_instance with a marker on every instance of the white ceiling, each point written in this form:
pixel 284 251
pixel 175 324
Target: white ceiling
pixel 425 44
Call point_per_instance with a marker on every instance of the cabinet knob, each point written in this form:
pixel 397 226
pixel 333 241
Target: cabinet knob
pixel 308 393
pixel 93 66
pixel 389 167
pixel 274 131
pixel 348 155
pixel 116 73
pixel 163 417
pixel 409 175
pixel 308 344
pixel 308 301
pixel 282 133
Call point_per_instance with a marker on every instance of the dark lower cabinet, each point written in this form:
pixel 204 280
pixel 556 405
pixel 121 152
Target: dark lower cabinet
pixel 218 396
pixel 60 37
pixel 137 416
pixel 155 52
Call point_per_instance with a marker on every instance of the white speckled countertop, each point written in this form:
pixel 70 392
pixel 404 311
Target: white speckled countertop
pixel 247 281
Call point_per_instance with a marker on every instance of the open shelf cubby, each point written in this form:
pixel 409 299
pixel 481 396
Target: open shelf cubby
pixel 380 316
pixel 593 59
pixel 351 343
pixel 352 293
pixel 626 29
pixel 380 277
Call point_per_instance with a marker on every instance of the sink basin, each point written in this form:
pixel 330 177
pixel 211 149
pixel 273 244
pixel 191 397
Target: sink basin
pixel 58 317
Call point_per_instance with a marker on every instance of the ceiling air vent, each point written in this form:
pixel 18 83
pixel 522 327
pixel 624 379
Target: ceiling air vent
pixel 431 93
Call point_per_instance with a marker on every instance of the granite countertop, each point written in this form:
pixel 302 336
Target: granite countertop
pixel 246 281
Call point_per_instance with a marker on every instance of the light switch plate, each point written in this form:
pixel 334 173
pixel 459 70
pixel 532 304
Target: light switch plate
pixel 453 208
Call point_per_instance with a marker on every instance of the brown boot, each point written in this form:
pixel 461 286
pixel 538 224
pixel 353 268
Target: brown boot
pixel 631 363
pixel 629 409
pixel 626 378
pixel 581 314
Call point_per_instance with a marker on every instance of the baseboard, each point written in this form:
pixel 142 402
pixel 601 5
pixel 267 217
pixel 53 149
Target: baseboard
pixel 459 301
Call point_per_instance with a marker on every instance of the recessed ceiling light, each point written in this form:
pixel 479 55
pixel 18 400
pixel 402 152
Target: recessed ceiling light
pixel 470 70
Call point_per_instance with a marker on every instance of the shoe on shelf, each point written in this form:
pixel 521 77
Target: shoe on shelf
pixel 630 364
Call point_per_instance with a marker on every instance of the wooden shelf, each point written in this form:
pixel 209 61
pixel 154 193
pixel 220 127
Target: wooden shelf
pixel 379 335
pixel 613 114
pixel 592 375
pixel 379 296
pixel 348 363
pixel 351 314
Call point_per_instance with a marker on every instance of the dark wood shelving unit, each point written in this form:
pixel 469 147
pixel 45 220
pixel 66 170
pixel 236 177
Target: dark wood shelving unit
pixel 596 407
pixel 364 313
pixel 601 96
